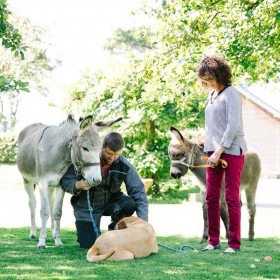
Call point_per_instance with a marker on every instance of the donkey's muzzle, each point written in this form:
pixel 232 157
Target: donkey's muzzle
pixel 176 175
pixel 177 171
pixel 94 182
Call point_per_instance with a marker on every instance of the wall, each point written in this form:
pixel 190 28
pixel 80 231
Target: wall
pixel 262 132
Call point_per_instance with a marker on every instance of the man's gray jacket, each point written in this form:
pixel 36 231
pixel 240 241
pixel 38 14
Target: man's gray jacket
pixel 120 171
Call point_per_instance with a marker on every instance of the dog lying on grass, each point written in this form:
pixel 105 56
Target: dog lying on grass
pixel 132 238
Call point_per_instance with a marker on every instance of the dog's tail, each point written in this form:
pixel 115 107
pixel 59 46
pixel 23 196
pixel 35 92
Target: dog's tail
pixel 93 255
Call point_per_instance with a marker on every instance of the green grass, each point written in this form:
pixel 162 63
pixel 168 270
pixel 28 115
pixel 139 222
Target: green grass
pixel 21 260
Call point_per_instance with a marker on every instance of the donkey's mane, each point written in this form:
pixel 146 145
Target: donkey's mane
pixel 70 119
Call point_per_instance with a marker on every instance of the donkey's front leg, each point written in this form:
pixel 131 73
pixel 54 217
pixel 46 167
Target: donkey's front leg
pixel 57 213
pixel 224 211
pixel 224 217
pixel 45 213
pixel 205 220
pixel 52 192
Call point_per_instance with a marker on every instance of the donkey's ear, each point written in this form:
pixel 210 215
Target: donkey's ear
pixel 86 122
pixel 176 134
pixel 104 124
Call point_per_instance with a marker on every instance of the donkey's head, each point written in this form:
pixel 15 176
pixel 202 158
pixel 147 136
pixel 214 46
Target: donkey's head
pixel 85 149
pixel 180 152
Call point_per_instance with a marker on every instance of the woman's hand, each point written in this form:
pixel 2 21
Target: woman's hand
pixel 214 158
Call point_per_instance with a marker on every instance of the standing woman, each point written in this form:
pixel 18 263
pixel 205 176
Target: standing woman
pixel 224 139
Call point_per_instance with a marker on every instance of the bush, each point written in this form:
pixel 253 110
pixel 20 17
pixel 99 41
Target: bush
pixel 8 147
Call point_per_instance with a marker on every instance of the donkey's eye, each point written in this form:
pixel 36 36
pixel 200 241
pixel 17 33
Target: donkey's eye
pixel 178 156
pixel 85 149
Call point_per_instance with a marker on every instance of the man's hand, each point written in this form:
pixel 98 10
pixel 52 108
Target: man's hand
pixel 82 185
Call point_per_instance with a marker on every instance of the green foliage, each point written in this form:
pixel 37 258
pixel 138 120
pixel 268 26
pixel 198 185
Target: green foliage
pixel 127 39
pixel 21 260
pixel 173 191
pixel 144 126
pixel 34 69
pixel 157 88
pixel 37 65
pixel 12 85
pixel 8 148
pixel 10 37
pixel 245 32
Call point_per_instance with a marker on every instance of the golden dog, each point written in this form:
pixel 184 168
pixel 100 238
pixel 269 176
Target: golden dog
pixel 133 238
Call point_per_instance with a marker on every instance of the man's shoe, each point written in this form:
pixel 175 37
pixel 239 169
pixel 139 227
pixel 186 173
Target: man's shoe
pixel 211 247
pixel 230 250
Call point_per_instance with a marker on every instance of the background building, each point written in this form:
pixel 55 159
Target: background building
pixel 261 117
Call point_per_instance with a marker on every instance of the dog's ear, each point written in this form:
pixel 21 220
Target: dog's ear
pixel 121 225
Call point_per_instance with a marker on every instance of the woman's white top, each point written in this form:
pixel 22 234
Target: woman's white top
pixel 223 123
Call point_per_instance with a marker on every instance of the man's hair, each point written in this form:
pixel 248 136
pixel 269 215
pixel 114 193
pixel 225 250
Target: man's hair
pixel 114 141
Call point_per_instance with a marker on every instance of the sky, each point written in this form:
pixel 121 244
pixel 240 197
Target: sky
pixel 77 30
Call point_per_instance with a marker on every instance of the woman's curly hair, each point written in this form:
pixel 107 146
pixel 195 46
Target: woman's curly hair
pixel 215 67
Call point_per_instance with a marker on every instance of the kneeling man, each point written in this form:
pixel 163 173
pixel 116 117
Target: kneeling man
pixel 107 198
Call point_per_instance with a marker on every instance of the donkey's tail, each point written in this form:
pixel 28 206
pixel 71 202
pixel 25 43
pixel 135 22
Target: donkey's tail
pixel 93 255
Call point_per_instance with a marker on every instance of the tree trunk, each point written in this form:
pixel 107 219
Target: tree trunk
pixel 149 142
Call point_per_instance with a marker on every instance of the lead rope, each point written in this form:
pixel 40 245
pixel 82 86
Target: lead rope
pixel 182 161
pixel 183 249
pixel 95 229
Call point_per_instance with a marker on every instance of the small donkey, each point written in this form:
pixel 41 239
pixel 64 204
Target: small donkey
pixel 185 154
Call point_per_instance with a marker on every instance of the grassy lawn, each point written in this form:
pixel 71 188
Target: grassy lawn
pixel 21 260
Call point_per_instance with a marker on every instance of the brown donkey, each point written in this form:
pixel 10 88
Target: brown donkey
pixel 185 154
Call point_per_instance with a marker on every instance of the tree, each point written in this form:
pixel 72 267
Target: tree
pixel 10 37
pixel 245 32
pixel 125 40
pixel 158 88
pixel 33 68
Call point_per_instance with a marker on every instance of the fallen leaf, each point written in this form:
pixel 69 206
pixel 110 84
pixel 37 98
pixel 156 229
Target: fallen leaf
pixel 252 266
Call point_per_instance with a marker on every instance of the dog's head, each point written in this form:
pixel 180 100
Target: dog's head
pixel 127 222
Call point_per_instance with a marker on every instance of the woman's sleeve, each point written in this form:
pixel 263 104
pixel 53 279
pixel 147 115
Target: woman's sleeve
pixel 233 111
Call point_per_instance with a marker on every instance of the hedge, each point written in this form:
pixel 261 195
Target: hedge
pixel 8 147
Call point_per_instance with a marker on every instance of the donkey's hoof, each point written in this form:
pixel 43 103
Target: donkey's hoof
pixel 32 236
pixel 203 240
pixel 58 243
pixel 41 247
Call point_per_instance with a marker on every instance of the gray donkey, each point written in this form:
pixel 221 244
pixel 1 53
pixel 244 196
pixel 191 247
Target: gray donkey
pixel 185 155
pixel 44 155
